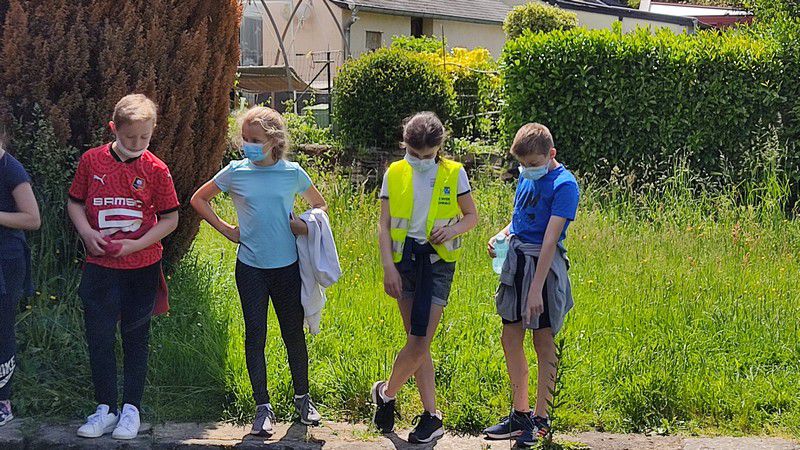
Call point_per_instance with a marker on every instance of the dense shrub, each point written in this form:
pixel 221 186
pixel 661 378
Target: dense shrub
pixel 538 17
pixel 374 93
pixel 421 44
pixel 64 64
pixel 635 101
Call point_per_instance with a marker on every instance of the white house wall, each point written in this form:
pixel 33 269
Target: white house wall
pixel 389 25
pixel 471 35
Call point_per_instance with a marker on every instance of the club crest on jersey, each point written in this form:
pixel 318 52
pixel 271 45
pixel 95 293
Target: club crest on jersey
pixel 138 184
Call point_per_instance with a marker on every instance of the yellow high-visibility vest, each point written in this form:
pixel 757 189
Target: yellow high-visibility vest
pixel 444 208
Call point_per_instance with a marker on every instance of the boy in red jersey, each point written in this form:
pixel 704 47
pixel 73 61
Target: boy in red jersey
pixel 122 203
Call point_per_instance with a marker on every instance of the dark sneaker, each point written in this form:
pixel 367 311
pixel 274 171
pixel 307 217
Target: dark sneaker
pixel 265 419
pixel 427 428
pixel 540 429
pixel 509 427
pixel 5 412
pixel 384 411
pixel 307 410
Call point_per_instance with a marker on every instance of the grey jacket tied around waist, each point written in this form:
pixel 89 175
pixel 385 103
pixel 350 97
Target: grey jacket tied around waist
pixel 559 291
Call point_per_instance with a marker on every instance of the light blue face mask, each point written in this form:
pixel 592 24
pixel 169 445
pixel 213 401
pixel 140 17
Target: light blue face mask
pixel 420 165
pixel 534 173
pixel 254 152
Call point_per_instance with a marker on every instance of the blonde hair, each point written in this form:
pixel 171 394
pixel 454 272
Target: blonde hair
pixel 273 124
pixel 532 138
pixel 134 108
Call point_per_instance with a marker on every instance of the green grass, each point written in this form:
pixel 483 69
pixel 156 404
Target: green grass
pixel 685 320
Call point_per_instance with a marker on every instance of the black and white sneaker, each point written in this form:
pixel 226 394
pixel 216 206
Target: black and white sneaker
pixel 427 428
pixel 265 418
pixel 511 426
pixel 385 409
pixel 307 410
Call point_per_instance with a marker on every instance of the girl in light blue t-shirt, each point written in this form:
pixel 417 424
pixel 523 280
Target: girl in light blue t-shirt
pixel 263 187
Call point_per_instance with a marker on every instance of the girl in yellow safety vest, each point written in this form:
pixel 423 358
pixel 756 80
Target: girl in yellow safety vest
pixel 426 206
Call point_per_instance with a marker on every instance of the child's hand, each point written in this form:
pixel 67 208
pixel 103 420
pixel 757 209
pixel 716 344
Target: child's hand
pixel 442 234
pixel 392 283
pixel 94 242
pixel 490 246
pixel 122 247
pixel 232 233
pixel 298 227
pixel 535 305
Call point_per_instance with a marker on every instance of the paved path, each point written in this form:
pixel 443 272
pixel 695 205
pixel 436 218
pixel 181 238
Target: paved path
pixel 25 435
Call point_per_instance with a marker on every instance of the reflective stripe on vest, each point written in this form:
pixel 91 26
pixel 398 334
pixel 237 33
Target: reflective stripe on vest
pixel 444 208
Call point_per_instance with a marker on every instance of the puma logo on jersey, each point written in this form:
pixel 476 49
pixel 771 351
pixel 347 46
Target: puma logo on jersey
pixel 102 179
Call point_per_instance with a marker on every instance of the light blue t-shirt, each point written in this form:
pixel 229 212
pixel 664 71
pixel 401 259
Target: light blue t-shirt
pixel 264 197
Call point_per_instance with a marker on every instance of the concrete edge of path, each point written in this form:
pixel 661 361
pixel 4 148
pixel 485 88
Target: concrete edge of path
pixel 27 435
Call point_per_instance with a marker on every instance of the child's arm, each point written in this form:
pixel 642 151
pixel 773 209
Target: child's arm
pixel 535 304
pixel 201 202
pixel 27 217
pixel 317 201
pixel 392 283
pixel 92 239
pixel 166 224
pixel 468 222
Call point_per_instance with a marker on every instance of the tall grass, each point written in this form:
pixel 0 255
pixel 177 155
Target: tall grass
pixel 685 319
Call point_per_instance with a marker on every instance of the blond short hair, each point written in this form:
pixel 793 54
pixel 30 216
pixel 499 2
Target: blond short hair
pixel 532 138
pixel 273 124
pixel 134 108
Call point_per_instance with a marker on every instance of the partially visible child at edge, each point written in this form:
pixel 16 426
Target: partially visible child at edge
pixel 426 206
pixel 122 203
pixel 263 187
pixel 18 212
pixel 534 292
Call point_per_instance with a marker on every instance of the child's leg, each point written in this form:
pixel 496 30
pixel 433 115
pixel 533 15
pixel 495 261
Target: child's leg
pixel 425 374
pixel 412 357
pixel 284 288
pixel 13 273
pixel 254 295
pixel 513 339
pixel 138 297
pixel 101 309
pixel 548 362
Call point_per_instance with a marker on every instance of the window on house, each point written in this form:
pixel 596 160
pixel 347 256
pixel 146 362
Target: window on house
pixel 374 40
pixel 416 26
pixel 251 37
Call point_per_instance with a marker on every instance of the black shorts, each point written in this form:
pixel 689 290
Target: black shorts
pixel 522 292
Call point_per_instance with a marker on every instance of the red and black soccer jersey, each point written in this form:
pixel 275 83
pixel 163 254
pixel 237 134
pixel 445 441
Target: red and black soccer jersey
pixel 123 200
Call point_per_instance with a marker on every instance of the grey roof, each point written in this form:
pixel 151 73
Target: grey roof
pixel 495 11
pixel 481 11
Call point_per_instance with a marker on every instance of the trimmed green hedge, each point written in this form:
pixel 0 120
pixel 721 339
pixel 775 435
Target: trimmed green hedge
pixel 538 17
pixel 374 93
pixel 635 101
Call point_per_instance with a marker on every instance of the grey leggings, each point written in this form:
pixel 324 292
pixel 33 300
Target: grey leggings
pixel 256 286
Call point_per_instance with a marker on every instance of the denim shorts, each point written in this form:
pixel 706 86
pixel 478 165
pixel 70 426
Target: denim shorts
pixel 443 272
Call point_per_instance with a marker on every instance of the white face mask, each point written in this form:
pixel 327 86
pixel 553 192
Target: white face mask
pixel 420 165
pixel 127 153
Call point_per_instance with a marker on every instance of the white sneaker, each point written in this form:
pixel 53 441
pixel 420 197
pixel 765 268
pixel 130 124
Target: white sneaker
pixel 99 423
pixel 128 427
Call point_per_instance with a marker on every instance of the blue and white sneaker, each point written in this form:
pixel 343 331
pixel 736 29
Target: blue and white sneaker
pixel 540 429
pixel 511 426
pixel 5 412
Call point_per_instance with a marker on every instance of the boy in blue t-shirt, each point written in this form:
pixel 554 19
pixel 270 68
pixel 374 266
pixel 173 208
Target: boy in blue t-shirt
pixel 534 293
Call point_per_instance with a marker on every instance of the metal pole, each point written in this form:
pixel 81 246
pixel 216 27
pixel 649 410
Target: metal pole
pixel 286 28
pixel 330 93
pixel 338 27
pixel 280 44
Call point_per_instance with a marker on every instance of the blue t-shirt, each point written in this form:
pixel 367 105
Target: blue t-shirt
pixel 555 194
pixel 264 197
pixel 12 174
